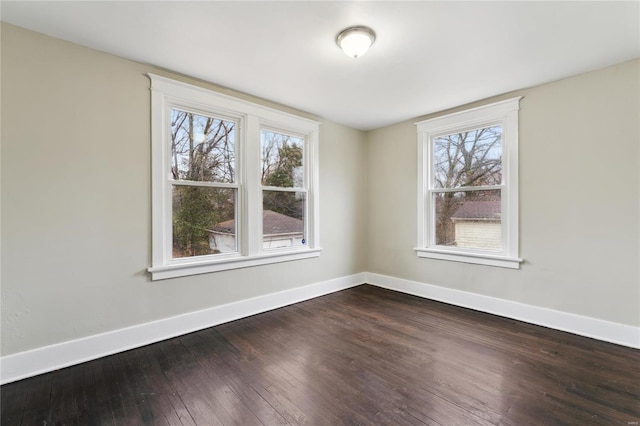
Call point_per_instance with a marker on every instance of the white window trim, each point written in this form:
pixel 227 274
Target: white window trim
pixel 506 114
pixel 306 179
pixel 251 118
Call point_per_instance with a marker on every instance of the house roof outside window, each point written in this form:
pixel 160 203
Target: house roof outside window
pixel 273 223
pixel 478 210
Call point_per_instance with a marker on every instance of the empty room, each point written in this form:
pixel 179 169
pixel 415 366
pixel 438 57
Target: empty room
pixel 320 213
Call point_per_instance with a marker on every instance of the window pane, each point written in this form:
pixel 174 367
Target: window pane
pixel 282 160
pixel 283 218
pixel 469 219
pixel 471 158
pixel 203 221
pixel 202 148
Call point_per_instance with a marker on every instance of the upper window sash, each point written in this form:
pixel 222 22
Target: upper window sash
pixel 487 142
pixel 230 125
pixel 505 115
pixel 271 142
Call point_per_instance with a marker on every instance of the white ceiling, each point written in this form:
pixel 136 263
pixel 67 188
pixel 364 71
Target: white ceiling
pixel 428 55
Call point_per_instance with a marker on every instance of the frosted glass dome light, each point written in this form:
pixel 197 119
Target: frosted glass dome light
pixel 355 41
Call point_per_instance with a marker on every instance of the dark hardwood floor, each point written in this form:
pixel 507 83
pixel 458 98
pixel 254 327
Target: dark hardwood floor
pixel 361 356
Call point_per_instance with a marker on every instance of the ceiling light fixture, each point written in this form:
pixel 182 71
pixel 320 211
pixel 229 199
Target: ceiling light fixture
pixel 355 41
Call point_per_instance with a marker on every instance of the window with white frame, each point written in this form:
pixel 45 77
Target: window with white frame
pixel 468 186
pixel 284 191
pixel 234 184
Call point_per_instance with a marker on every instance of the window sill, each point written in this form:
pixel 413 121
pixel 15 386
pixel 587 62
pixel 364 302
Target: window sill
pixel 194 268
pixel 470 257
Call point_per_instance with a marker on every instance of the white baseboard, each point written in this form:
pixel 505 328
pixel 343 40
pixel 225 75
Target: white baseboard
pixel 49 358
pixel 41 360
pixel 607 331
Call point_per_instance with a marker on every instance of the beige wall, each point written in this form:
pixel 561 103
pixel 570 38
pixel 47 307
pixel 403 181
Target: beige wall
pixel 579 212
pixel 76 201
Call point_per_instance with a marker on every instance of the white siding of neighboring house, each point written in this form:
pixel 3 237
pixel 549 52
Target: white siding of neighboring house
pixel 278 241
pixel 226 243
pixel 478 234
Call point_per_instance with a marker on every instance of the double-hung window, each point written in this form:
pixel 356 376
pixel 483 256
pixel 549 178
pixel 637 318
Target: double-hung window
pixel 234 184
pixel 468 186
pixel 284 191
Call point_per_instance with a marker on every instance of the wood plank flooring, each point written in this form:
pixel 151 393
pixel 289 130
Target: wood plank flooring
pixel 360 356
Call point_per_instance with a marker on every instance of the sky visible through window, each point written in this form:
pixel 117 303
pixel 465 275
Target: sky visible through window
pixel 202 148
pixel 472 158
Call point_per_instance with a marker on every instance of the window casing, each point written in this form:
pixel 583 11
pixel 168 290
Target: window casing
pixel 210 198
pixel 468 186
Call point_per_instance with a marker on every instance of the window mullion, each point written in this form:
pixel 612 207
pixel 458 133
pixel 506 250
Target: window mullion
pixel 252 207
